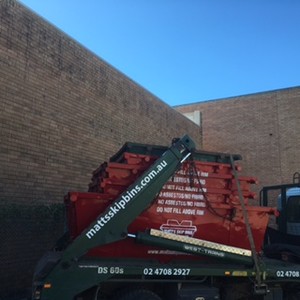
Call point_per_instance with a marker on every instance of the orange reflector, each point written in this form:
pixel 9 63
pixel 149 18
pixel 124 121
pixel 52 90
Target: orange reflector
pixel 47 286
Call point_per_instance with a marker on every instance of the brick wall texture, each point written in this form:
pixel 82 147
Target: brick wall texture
pixel 264 128
pixel 63 111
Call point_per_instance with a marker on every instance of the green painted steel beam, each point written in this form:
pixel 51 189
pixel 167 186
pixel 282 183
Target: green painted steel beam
pixel 65 278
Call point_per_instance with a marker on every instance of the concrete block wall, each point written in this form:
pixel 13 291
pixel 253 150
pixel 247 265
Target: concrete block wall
pixel 63 111
pixel 263 127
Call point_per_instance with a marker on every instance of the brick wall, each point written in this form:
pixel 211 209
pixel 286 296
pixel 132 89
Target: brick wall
pixel 264 128
pixel 63 111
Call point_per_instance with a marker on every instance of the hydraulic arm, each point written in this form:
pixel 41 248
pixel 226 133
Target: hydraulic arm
pixel 111 225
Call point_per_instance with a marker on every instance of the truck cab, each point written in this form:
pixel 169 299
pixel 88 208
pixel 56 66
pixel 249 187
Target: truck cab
pixel 292 211
pixel 283 237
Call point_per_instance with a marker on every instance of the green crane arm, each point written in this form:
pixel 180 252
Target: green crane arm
pixel 111 225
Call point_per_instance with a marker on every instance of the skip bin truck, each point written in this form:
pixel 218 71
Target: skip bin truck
pixel 173 223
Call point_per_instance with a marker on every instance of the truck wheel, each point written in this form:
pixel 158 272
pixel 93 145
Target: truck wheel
pixel 141 294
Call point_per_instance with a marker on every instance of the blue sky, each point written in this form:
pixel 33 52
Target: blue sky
pixel 186 51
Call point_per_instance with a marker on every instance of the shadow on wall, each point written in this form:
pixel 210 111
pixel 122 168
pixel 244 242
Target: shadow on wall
pixel 26 232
